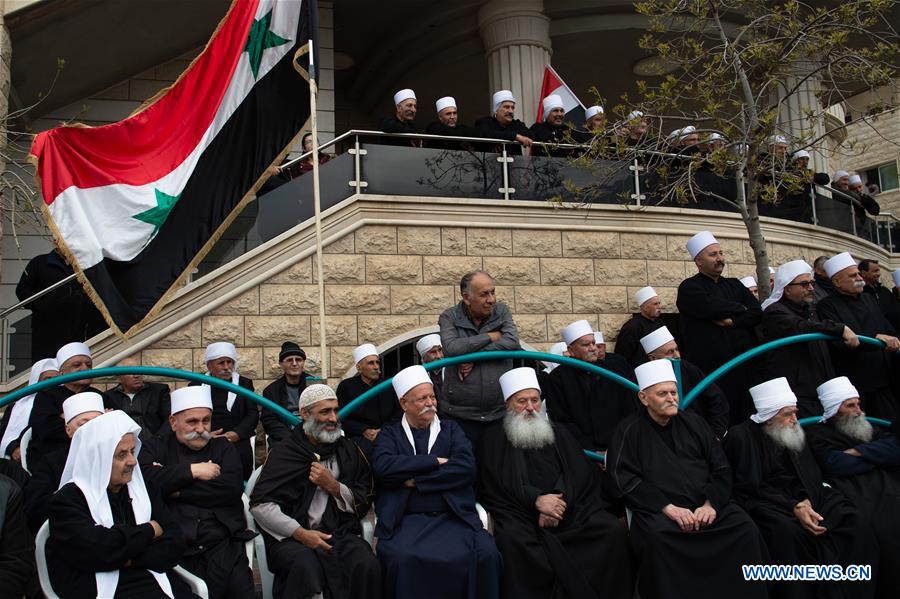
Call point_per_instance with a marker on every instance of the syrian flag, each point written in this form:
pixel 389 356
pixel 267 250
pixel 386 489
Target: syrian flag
pixel 553 84
pixel 135 205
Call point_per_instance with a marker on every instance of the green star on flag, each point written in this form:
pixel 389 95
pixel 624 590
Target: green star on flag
pixel 259 39
pixel 157 215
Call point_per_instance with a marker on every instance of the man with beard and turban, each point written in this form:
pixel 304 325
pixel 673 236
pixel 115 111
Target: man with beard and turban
pixel 430 349
pixel 788 312
pixel 310 496
pixel 777 480
pixel 402 121
pixel 110 535
pixel 431 542
pixel 550 525
pixel 200 480
pixel 553 129
pixel 672 473
pixel 863 463
pixel 868 367
pixel 503 124
pixel 16 416
pixel 233 417
pixel 718 320
pixel 647 320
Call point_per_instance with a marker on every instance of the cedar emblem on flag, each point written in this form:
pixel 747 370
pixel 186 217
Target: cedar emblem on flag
pixel 136 205
pixel 554 85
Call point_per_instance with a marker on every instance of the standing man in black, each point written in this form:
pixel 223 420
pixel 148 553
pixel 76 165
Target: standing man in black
pixel 366 421
pixel 647 320
pixel 503 124
pixel 285 391
pixel 146 403
pixel 870 271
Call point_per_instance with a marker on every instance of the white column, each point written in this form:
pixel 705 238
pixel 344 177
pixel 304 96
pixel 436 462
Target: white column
pixel 516 37
pixel 802 118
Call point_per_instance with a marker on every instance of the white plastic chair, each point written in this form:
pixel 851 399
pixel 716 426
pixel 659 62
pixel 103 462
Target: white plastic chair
pixel 266 577
pixel 23 448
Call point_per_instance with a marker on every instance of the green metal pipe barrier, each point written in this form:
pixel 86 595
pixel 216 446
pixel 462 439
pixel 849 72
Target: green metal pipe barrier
pixel 815 420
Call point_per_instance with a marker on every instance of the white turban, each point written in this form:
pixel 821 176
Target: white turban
pixel 749 282
pixel 679 134
pixel 504 95
pixel 364 351
pixel 88 401
pixel 699 242
pixel 801 154
pixel 427 343
pixel 404 94
pixel 598 338
pixel 854 179
pixel 785 275
pixel 833 393
pixel 643 294
pixel 445 102
pixel 409 377
pixel 770 397
pixel 634 115
pixel 187 398
pixel 592 111
pixel 837 263
pixel 840 175
pixel 70 350
pixel 715 136
pixel 656 339
pixel 517 379
pixel 550 102
pixel 896 276
pixel 653 372
pixel 576 330
pixel 21 410
pixel 220 349
pixel 777 140
pixel 556 349
pixel 313 394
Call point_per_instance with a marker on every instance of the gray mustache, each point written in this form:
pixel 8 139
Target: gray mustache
pixel 426 410
pixel 191 436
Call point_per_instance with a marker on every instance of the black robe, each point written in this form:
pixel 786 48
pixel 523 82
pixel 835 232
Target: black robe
pixel 392 124
pixel 350 569
pixel 628 342
pixel 805 365
pixel 890 307
pixel 768 483
pixel 78 547
pixel 273 425
pixel 587 556
pixel 150 407
pixel 438 128
pixel 868 367
pixel 242 419
pixel 553 134
pixel 711 405
pixel 682 464
pixel 45 476
pixel 210 512
pixel 378 412
pixel 48 429
pixel 702 301
pixel 492 128
pixel 17 569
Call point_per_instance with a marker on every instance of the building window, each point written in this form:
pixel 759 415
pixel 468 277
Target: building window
pixel 884 176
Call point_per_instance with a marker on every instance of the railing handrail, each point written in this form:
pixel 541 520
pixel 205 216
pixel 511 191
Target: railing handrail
pixel 842 194
pixel 40 293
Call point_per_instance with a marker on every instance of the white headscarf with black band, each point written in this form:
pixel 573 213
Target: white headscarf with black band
pixel 21 410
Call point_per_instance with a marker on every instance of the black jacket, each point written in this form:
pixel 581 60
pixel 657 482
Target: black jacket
pixel 492 128
pixel 150 407
pixel 276 392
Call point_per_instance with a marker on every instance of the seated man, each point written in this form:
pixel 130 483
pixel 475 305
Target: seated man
pixel 863 463
pixel 311 494
pixel 549 523
pixel 110 535
pixel 47 472
pixel 777 480
pixel 146 403
pixel 200 480
pixel 16 416
pixel 673 474
pixel 431 542
pixel 366 421
pixel 285 391
pixel 430 349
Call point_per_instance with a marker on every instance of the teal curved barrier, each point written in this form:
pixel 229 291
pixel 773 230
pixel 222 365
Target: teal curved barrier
pixel 815 420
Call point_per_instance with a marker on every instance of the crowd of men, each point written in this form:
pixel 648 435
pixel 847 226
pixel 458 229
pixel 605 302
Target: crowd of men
pixel 477 472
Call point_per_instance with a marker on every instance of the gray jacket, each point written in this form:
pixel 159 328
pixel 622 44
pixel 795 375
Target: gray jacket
pixel 478 396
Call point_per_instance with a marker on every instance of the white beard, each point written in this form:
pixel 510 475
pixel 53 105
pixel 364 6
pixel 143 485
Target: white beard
pixel 317 431
pixel 788 437
pixel 856 427
pixel 528 433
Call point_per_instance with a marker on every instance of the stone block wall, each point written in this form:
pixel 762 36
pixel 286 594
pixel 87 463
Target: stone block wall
pixel 872 144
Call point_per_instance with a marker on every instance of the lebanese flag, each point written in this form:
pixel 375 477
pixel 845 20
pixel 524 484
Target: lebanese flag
pixel 553 84
pixel 135 205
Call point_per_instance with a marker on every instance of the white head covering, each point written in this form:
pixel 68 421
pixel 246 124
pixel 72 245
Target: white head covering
pixel 592 111
pixel 770 397
pixel 21 410
pixel 833 393
pixel 88 401
pixel 643 294
pixel 598 338
pixel 70 350
pixel 837 263
pixel 513 381
pixel 749 282
pixel 550 102
pixel 504 95
pixel 363 351
pixel 839 175
pixel 408 378
pixel 313 394
pixel 801 154
pixel 634 115
pixel 191 397
pixel 854 179
pixel 404 94
pixel 445 102
pixel 679 134
pixel 777 140
pixel 89 466
pixel 224 349
pixel 656 339
pixel 575 331
pixel 556 349
pixel 427 343
pixel 699 242
pixel 715 136
pixel 771 271
pixel 896 276
pixel 653 372
pixel 785 274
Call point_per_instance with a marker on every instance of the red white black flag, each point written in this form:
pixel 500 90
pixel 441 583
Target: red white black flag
pixel 554 85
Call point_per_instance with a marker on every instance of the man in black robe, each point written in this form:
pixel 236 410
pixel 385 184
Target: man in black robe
pixel 448 125
pixel 431 542
pixel 285 392
pixel 868 367
pixel 146 403
pixel 718 318
pixel 503 124
pixel 870 271
pixel 787 312
pixel 554 130
pixel 777 481
pixel 711 404
pixel 430 349
pixel 550 525
pixel 364 423
pixel 17 569
pixel 647 320
pixel 200 480
pixel 863 463
pixel 672 473
pixel 16 416
pixel 312 492
pixel 402 121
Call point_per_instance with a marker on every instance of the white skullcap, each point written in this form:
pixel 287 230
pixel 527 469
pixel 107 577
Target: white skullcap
pixel 785 275
pixel 840 174
pixel 833 393
pixel 70 350
pixel 550 102
pixel 656 339
pixel 715 136
pixel 777 140
pixel 592 111
pixel 220 349
pixel 801 154
pixel 680 134
pixel 504 95
pixel 363 351
pixel 404 94
pixel 771 271
pixel 427 343
pixel 186 398
pixel 653 372
pixel 749 282
pixel 598 338
pixel 770 397
pixel 313 394
pixel 89 401
pixel 517 379
pixel 408 378
pixel 854 179
pixel 575 331
pixel 896 276
pixel 837 263
pixel 445 102
pixel 556 349
pixel 643 294
pixel 699 242
pixel 634 115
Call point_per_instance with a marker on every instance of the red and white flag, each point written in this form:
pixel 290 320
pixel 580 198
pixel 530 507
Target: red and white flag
pixel 553 84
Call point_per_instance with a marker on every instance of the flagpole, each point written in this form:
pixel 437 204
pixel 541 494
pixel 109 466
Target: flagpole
pixel 313 90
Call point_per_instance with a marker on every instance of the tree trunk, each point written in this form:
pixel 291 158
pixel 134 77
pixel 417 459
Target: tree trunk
pixel 750 215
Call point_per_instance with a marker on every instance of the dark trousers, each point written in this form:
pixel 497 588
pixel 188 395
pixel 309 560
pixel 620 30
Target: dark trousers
pixel 224 568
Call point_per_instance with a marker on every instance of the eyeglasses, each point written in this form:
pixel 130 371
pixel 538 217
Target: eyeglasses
pixel 804 284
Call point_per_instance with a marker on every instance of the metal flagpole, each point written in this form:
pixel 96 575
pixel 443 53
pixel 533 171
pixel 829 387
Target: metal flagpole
pixel 313 91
